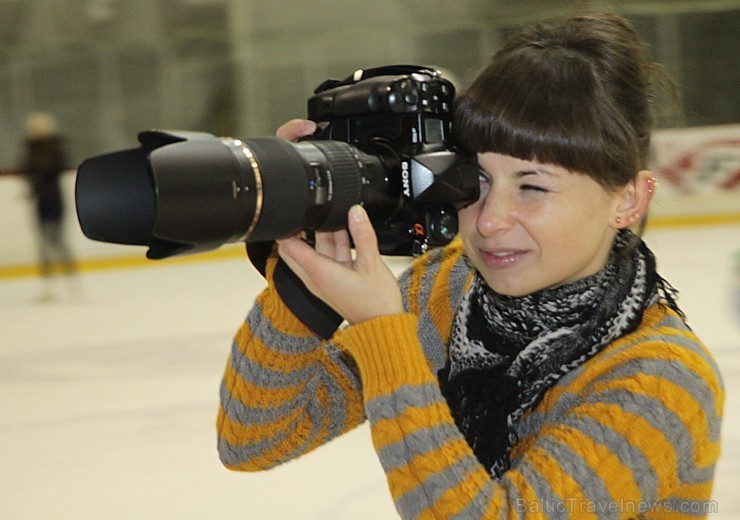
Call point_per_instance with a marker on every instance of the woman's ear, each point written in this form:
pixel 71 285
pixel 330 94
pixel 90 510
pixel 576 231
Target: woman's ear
pixel 634 200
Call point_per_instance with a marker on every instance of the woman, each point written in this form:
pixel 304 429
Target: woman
pixel 536 366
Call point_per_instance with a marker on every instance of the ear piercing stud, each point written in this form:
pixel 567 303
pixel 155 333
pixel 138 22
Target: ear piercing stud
pixel 652 185
pixel 632 217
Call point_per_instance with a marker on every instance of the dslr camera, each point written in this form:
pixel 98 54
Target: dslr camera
pixel 384 140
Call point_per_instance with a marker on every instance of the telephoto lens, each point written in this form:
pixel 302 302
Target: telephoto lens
pixel 187 192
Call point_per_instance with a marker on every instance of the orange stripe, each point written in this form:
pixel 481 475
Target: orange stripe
pixel 250 394
pixel 678 401
pixel 529 503
pixel 617 478
pixel 256 351
pixel 660 350
pixel 498 502
pixel 562 483
pixel 238 434
pixel 410 420
pixel 355 406
pixel 454 500
pixel 405 478
pixel 418 269
pixel 441 307
pixel 653 444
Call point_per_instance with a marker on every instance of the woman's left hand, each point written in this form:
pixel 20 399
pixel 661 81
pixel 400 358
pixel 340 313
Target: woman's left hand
pixel 359 288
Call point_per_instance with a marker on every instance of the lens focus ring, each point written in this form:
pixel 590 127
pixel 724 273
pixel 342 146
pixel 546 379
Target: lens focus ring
pixel 346 179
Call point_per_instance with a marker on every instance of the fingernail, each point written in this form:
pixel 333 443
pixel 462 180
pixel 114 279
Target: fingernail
pixel 357 213
pixel 309 127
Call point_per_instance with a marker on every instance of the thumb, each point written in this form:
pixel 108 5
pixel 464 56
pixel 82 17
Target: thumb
pixel 363 235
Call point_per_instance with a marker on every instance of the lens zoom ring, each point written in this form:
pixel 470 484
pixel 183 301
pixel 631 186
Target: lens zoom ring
pixel 346 181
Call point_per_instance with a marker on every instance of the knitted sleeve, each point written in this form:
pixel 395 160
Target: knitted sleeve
pixel 284 391
pixel 633 431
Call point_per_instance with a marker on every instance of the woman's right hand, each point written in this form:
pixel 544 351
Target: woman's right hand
pixel 357 288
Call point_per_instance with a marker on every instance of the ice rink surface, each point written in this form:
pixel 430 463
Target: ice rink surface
pixel 108 395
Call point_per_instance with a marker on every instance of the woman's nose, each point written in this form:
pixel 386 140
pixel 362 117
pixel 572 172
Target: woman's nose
pixel 495 214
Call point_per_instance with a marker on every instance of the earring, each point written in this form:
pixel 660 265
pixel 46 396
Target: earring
pixel 619 220
pixel 652 185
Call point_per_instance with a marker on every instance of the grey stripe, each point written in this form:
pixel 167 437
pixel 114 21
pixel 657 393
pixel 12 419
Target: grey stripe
pixel 665 421
pixel 404 281
pixel 679 374
pixel 573 464
pixel 263 376
pixel 551 504
pixel 434 349
pixel 249 415
pixel 431 339
pixel 274 339
pixel 689 344
pixel 478 506
pixel 697 386
pixel 629 455
pixel 422 441
pixel 316 414
pixel 512 504
pixel 351 373
pixel 429 336
pixel 337 404
pixel 234 455
pixel 532 423
pixel 423 496
pixel 346 363
pixel 514 499
pixel 305 400
pixel 391 406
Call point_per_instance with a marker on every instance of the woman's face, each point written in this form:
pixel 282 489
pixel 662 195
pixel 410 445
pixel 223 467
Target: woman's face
pixel 536 226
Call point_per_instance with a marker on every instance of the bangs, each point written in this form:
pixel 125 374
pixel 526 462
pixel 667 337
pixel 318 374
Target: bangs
pixel 546 106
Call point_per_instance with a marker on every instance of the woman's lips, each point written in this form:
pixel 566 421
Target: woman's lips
pixel 502 258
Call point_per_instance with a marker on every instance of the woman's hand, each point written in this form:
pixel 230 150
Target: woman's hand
pixel 359 288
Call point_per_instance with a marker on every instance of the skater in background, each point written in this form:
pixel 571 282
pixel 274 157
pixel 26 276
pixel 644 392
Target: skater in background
pixel 43 164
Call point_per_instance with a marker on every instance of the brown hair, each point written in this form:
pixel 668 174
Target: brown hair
pixel 577 93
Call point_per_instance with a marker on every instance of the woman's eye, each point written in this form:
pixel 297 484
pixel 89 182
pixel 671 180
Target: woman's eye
pixel 534 188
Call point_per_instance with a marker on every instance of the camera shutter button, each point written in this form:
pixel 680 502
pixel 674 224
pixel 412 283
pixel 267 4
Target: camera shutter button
pixel 408 92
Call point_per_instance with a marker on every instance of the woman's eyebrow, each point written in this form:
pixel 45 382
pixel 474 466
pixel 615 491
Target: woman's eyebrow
pixel 535 171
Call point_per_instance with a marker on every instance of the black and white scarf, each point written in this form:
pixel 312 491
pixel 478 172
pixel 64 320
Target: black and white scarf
pixel 505 352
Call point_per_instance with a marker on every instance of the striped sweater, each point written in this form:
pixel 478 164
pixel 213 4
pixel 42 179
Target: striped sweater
pixel 633 432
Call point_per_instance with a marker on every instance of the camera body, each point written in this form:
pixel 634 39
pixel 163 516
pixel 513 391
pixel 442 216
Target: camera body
pixel 403 115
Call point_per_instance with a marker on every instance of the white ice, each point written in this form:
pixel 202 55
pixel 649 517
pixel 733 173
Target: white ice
pixel 108 396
